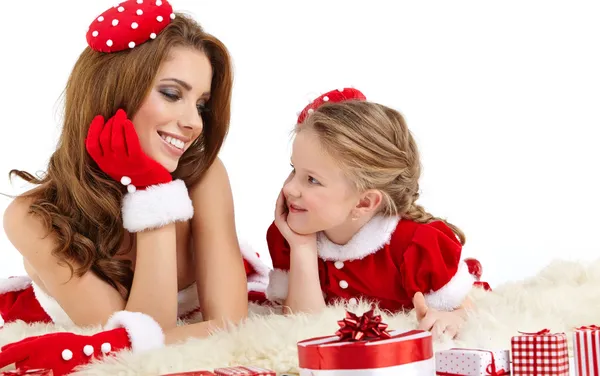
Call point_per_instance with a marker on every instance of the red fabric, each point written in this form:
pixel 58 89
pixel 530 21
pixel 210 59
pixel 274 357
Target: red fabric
pixel 333 96
pixel 430 260
pixel 475 268
pixel 48 351
pixel 419 257
pixel 128 24
pixel 22 305
pixel 116 149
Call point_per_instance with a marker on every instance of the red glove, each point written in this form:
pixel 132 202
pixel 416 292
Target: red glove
pixel 62 352
pixel 154 199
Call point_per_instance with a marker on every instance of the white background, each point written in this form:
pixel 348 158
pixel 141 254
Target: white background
pixel 503 98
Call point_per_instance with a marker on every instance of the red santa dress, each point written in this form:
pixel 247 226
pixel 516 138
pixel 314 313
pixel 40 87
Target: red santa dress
pixel 22 299
pixel 387 262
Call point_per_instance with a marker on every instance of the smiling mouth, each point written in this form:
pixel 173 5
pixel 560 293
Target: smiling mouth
pixel 175 142
pixel 295 209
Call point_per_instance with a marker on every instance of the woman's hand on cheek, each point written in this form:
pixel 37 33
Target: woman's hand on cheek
pixel 438 322
pixel 294 239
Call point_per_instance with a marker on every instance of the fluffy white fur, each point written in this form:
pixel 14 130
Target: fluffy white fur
pixel 372 236
pixel 249 254
pixel 560 297
pixel 277 291
pixel 17 283
pixel 144 333
pixel 157 206
pixel 452 294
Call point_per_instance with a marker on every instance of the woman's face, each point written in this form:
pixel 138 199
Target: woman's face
pixel 169 119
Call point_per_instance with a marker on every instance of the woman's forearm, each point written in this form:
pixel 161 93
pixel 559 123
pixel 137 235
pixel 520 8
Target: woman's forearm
pixel 304 289
pixel 154 288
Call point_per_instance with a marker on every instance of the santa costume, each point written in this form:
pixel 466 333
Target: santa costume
pixel 153 199
pixel 387 261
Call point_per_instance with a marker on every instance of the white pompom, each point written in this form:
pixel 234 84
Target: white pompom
pixel 95 33
pixel 100 19
pixel 115 22
pixel 325 98
pixel 131 44
pixel 67 354
pixel 88 350
pixel 139 12
pixel 131 188
pixel 159 19
pixel 121 9
pixel 134 25
pixel 109 43
pixel 153 35
pixel 125 180
pixel 105 347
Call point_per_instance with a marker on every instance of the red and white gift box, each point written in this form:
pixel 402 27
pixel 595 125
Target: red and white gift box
pixel 586 347
pixel 405 353
pixel 540 354
pixel 472 362
pixel 246 370
pixel 29 372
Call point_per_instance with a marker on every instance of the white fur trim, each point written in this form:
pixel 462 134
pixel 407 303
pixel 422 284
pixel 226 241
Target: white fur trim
pixel 51 307
pixel 369 239
pixel 250 255
pixel 144 333
pixel 452 294
pixel 157 206
pixel 257 282
pixel 11 284
pixel 277 290
pixel 187 300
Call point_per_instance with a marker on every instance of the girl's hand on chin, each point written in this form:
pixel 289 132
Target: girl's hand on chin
pixel 294 239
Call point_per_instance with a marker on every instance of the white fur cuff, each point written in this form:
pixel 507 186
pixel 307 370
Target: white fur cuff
pixel 452 295
pixel 277 290
pixel 144 333
pixel 156 206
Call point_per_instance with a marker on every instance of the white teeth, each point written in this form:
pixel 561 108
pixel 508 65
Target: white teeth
pixel 173 141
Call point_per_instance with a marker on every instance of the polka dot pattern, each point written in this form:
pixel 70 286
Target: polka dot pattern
pixel 129 24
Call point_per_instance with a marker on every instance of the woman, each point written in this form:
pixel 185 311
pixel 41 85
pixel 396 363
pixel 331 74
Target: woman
pixel 135 206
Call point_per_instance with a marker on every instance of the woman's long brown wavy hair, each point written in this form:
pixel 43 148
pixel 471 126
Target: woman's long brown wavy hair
pixel 81 205
pixel 377 150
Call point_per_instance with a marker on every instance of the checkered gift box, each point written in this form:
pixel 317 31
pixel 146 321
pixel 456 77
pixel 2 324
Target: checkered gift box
pixel 540 354
pixel 586 346
pixel 244 371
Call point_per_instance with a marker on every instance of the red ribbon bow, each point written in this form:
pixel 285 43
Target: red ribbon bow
pixel 366 327
pixel 540 333
pixel 588 327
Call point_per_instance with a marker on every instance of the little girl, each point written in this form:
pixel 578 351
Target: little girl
pixel 347 225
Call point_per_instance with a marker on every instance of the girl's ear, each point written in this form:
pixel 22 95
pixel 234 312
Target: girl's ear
pixel 369 202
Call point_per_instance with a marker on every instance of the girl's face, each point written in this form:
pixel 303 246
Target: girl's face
pixel 319 196
pixel 169 119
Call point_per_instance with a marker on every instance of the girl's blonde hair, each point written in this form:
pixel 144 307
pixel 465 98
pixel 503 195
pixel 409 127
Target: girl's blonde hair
pixel 376 149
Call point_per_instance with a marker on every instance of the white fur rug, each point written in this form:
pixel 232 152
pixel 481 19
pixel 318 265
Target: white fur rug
pixel 560 297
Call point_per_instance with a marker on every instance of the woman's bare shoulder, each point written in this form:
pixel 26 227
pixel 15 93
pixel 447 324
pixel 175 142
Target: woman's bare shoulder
pixel 26 230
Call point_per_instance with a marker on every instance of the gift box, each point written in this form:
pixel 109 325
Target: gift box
pixel 247 370
pixel 30 372
pixel 363 346
pixel 586 348
pixel 542 353
pixel 472 362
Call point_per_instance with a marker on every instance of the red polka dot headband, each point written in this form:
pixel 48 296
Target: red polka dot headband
pixel 334 96
pixel 129 24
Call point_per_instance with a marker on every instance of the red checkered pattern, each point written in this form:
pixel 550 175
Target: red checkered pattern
pixel 249 371
pixel 586 346
pixel 540 355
